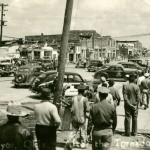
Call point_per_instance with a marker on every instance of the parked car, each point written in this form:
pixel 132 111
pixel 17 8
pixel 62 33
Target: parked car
pixel 94 65
pixel 40 86
pixel 115 71
pixel 6 69
pixel 132 65
pixel 6 66
pixel 79 64
pixel 138 61
pixel 26 74
pixel 47 64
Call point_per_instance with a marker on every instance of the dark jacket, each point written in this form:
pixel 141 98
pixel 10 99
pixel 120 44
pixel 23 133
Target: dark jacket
pixel 13 136
pixel 131 94
pixel 115 95
pixel 103 115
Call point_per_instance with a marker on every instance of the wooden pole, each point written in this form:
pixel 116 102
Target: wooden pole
pixel 63 51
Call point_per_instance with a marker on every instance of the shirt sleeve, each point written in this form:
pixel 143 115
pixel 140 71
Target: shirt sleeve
pixel 56 116
pixel 114 118
pixel 138 95
pixel 125 95
pixel 117 97
pixel 86 105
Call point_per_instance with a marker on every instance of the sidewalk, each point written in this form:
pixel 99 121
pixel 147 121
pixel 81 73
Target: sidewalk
pixel 141 141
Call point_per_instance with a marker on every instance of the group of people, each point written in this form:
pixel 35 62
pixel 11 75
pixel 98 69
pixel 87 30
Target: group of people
pixel 97 118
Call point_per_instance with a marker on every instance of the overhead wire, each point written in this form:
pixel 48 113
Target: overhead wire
pixel 76 14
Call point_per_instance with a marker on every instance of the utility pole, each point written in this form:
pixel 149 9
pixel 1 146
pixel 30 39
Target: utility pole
pixel 63 51
pixel 2 21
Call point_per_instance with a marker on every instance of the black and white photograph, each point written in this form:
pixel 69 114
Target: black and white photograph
pixel 74 74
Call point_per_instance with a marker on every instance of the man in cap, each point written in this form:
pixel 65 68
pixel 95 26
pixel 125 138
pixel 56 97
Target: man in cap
pixel 12 134
pixel 47 121
pixel 145 90
pixel 131 94
pixel 103 116
pixel 109 98
pixel 79 109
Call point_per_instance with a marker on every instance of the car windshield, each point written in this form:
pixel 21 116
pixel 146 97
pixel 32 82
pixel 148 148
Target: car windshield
pixel 94 62
pixel 105 66
pixel 24 69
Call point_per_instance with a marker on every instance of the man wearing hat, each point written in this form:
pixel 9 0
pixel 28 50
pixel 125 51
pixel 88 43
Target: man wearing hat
pixel 47 122
pixel 12 134
pixel 131 94
pixel 79 109
pixel 145 89
pixel 103 116
pixel 114 93
pixel 103 80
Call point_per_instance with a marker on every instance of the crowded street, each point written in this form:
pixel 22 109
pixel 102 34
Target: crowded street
pixel 74 74
pixel 25 96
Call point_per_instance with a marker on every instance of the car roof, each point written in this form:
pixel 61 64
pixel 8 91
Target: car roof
pixel 135 59
pixel 113 64
pixel 53 72
pixel 30 66
pixel 126 62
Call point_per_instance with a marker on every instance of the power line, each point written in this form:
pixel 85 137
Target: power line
pixel 137 35
pixel 76 14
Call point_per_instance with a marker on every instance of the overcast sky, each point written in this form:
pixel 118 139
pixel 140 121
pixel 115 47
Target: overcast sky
pixel 112 17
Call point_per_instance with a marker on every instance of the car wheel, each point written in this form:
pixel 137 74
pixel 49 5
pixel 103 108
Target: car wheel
pixel 89 70
pixel 20 78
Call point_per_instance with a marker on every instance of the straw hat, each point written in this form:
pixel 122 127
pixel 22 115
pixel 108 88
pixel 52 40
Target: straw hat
pixel 14 109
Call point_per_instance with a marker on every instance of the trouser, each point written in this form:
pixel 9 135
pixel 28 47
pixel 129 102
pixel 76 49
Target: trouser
pixel 130 113
pixel 101 139
pixel 77 137
pixel 145 98
pixel 46 137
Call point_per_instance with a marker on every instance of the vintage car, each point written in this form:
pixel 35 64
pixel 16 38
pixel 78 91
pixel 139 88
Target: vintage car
pixel 26 74
pixel 132 65
pixel 6 69
pixel 94 65
pixel 47 64
pixel 115 71
pixel 79 64
pixel 40 85
pixel 6 66
pixel 139 62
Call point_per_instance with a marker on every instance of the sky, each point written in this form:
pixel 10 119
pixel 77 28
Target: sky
pixel 108 17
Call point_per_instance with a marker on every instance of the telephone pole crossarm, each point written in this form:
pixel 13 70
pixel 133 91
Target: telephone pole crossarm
pixel 2 22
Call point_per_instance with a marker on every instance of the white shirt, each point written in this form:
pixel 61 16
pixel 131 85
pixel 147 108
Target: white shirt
pixel 139 80
pixel 46 114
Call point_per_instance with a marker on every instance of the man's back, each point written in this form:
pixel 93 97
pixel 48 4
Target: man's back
pixel 46 113
pixel 131 93
pixel 145 84
pixel 102 114
pixel 15 136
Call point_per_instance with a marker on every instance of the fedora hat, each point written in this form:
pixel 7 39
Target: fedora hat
pixel 14 109
pixel 103 90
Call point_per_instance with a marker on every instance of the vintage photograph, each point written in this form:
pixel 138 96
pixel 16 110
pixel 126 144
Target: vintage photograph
pixel 74 74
